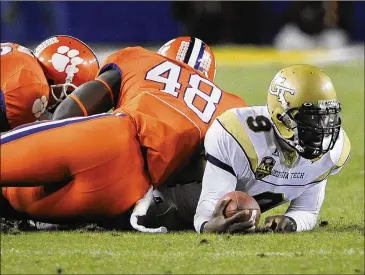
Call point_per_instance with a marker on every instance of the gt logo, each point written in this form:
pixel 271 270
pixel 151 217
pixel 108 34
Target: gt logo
pixel 66 60
pixel 279 90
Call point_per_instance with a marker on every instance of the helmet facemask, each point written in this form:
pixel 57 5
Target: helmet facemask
pixel 61 90
pixel 316 129
pixel 64 89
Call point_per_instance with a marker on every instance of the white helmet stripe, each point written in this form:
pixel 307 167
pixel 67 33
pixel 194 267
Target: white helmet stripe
pixel 195 52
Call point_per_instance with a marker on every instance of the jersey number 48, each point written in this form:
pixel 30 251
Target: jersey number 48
pixel 168 73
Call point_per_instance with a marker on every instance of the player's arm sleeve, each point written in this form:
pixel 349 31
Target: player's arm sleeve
pixel 305 209
pixel 221 171
pixel 91 98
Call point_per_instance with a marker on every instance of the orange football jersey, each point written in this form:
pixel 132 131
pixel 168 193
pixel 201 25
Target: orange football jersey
pixel 171 103
pixel 24 88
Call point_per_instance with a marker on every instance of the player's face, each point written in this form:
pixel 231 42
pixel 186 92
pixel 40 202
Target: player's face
pixel 318 130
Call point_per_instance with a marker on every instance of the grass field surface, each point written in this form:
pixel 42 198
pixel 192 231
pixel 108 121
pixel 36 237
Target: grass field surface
pixel 336 246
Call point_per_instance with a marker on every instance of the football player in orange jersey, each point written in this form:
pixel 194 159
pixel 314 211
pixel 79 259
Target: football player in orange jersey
pixel 170 96
pixel 30 80
pixel 24 89
pixel 165 105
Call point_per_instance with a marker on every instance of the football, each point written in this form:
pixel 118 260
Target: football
pixel 242 201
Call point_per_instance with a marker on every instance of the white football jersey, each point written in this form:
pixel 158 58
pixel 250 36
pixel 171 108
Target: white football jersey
pixel 242 154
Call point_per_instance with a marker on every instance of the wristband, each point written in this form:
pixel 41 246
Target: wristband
pixel 293 222
pixel 202 227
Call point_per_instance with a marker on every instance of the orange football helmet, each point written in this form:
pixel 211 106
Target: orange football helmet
pixel 192 51
pixel 67 63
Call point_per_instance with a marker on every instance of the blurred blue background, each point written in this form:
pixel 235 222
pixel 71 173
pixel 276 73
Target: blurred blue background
pixel 155 22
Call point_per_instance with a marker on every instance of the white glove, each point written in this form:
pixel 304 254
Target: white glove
pixel 140 209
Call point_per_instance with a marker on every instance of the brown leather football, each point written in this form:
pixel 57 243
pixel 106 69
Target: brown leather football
pixel 241 201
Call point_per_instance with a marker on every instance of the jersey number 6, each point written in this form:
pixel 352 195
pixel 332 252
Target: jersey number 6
pixel 168 73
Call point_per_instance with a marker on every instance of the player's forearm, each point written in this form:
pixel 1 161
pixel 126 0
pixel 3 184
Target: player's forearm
pixel 203 213
pixel 305 209
pixel 216 183
pixel 88 99
pixel 304 220
pixel 68 108
pixel 95 97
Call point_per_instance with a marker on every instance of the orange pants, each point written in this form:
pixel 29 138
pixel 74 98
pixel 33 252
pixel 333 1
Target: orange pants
pixel 90 166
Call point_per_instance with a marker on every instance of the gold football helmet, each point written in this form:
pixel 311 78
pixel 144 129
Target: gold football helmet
pixel 304 108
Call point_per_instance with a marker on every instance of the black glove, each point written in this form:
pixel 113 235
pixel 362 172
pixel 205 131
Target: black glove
pixel 280 223
pixel 219 224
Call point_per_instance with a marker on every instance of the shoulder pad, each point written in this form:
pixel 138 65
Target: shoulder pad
pixel 234 127
pixel 345 153
pixel 342 158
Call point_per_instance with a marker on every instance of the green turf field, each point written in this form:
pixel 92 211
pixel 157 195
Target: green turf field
pixel 337 246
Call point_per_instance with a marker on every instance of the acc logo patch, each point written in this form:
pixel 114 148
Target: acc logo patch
pixel 265 168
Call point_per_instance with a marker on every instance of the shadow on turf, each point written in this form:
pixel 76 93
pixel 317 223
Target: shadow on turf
pixel 16 227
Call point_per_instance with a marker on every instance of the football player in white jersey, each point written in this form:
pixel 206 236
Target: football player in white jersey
pixel 281 152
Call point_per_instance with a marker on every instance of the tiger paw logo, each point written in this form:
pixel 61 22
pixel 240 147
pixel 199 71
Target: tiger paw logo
pixel 66 60
pixel 39 106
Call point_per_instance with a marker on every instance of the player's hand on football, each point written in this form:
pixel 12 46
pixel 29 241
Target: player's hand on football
pixel 280 223
pixel 218 223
